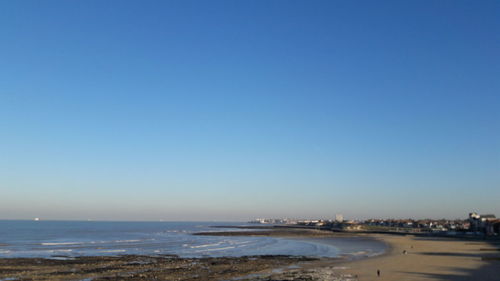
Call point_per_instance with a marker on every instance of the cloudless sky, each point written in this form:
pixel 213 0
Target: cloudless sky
pixel 229 110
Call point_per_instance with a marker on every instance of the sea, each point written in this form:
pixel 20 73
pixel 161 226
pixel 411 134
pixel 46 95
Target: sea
pixel 67 239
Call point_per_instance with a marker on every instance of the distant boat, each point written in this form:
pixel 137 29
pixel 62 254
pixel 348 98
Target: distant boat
pixel 36 219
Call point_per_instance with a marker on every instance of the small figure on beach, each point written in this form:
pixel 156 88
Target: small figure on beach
pixel 404 252
pixel 378 272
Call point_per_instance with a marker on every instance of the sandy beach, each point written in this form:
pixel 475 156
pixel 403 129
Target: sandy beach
pixel 430 258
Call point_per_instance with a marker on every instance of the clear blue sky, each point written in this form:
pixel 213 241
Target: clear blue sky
pixel 228 110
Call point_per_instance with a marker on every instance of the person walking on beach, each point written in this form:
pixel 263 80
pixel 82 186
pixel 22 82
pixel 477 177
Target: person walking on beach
pixel 378 272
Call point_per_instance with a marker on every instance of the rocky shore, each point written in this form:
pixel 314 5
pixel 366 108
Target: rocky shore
pixel 147 268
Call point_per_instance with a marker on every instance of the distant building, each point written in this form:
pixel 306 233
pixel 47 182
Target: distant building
pixel 474 220
pixel 494 227
pixel 488 217
pixel 482 223
pixel 339 218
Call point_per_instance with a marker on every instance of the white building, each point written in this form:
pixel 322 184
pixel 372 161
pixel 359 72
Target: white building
pixel 339 218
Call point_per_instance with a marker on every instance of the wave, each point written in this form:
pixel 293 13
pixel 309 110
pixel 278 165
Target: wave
pixel 239 242
pixel 216 249
pixel 56 250
pixel 60 243
pixel 90 242
pixel 359 253
pixel 113 251
pixel 205 245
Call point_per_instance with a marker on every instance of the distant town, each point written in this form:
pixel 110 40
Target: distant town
pixel 474 225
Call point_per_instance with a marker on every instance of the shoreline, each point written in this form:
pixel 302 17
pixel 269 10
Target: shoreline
pixel 416 257
pixel 262 267
pixel 425 258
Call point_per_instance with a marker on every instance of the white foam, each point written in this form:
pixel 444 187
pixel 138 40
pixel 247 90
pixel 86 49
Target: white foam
pixel 112 251
pixel 241 243
pixel 206 245
pixel 216 249
pixel 359 253
pixel 60 243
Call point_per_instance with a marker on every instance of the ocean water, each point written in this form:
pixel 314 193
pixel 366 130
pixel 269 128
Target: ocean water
pixel 60 239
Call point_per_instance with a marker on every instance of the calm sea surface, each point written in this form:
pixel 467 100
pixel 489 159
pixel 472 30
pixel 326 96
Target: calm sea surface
pixel 55 239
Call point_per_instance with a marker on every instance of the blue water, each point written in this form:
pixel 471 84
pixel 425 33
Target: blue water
pixel 53 239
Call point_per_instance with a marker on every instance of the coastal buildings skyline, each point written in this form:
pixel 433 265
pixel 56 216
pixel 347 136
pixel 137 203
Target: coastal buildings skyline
pixel 229 110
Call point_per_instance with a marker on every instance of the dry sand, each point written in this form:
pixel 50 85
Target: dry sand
pixel 429 258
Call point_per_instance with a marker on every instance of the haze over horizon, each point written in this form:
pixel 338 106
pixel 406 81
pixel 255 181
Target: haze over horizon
pixel 230 110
